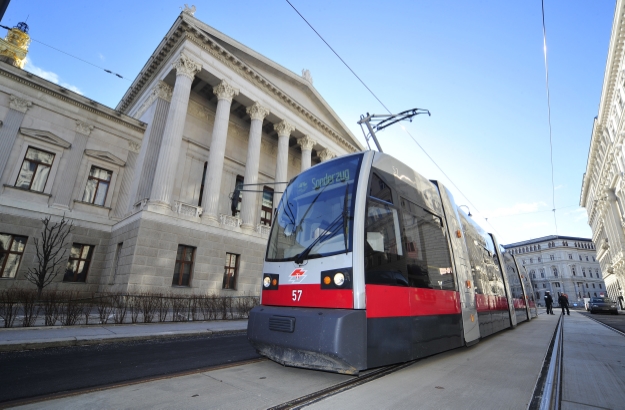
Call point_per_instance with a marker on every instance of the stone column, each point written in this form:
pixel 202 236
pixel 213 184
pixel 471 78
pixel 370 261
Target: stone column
pixel 326 155
pixel 306 144
pixel 212 184
pixel 249 202
pixel 616 218
pixel 69 174
pixel 284 130
pixel 11 125
pixel 164 177
pixel 150 146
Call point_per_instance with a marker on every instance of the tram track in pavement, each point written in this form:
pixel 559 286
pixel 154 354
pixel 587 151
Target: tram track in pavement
pixel 60 395
pixel 314 397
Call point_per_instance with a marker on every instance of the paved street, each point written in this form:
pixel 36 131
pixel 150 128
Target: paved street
pixel 39 372
pixel 615 321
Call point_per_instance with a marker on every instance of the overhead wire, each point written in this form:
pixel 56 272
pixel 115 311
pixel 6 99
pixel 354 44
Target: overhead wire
pixel 389 111
pixel 73 56
pixel 553 185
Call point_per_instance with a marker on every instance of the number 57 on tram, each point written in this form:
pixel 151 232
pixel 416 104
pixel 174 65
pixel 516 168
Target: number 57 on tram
pixel 368 264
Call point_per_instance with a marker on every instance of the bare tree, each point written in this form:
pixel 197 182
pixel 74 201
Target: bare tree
pixel 51 251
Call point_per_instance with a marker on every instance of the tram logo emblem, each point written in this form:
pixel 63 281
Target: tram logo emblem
pixel 297 275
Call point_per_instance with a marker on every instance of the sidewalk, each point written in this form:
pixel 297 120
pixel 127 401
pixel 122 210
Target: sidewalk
pixel 593 375
pixel 27 338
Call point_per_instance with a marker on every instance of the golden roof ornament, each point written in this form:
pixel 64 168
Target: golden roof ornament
pixel 14 47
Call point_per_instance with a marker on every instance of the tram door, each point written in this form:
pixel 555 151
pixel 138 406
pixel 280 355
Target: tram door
pixel 506 283
pixel 464 277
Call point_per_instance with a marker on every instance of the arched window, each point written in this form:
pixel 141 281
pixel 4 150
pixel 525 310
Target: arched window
pixel 542 273
pixel 531 260
pixel 533 273
pixel 573 270
pixel 555 271
pixel 584 272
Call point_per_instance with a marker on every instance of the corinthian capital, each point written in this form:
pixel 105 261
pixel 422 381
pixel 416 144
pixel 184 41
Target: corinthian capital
pixel 162 90
pixel 186 67
pixel 284 128
pixel 306 143
pixel 326 155
pixel 225 91
pixel 19 104
pixel 257 111
pixel 83 128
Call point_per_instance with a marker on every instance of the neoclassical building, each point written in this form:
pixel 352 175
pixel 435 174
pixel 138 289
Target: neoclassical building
pixel 149 184
pixel 603 184
pixel 564 264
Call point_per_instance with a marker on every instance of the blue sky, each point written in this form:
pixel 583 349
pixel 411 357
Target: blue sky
pixel 477 66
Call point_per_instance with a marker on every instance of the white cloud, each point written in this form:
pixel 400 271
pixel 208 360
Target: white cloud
pixel 532 225
pixel 516 209
pixel 101 56
pixel 50 76
pixel 557 187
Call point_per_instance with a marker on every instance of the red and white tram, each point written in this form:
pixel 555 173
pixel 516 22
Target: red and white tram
pixel 368 264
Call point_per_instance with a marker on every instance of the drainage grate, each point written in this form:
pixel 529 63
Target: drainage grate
pixel 282 324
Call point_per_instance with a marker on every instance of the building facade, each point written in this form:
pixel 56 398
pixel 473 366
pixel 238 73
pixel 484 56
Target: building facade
pixel 560 264
pixel 148 185
pixel 603 184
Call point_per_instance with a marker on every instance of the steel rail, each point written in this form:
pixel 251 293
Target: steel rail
pixel 552 392
pixel 311 398
pixel 60 395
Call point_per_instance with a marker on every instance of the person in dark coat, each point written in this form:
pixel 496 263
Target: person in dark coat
pixel 549 303
pixel 564 303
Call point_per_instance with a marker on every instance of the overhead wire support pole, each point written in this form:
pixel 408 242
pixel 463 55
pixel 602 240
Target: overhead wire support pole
pixel 382 121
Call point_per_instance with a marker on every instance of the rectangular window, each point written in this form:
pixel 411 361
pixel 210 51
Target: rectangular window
pixel 238 185
pixel 78 264
pixel 266 210
pixel 231 271
pixel 552 257
pixel 13 250
pixel 35 170
pixel 97 186
pixel 570 256
pixel 184 266
pixel 593 285
pixel 539 259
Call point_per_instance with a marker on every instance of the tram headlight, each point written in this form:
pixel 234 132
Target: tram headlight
pixel 267 281
pixel 339 279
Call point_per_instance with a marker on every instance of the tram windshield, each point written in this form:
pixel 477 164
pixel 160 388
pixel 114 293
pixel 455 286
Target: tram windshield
pixel 315 216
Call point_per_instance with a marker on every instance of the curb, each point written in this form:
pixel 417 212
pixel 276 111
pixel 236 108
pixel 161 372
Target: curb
pixel 87 341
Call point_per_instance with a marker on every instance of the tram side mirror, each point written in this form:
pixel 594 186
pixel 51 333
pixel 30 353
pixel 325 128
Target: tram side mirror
pixel 234 200
pixel 376 241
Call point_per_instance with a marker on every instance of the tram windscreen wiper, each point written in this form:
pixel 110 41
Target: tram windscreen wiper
pixel 327 233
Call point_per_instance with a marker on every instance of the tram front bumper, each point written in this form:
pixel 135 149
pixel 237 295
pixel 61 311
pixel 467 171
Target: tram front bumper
pixel 323 339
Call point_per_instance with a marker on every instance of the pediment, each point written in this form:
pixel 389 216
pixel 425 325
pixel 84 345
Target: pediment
pixel 295 86
pixel 105 156
pixel 45 136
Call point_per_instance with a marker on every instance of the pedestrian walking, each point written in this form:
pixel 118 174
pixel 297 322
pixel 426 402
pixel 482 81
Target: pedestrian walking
pixel 549 303
pixel 564 303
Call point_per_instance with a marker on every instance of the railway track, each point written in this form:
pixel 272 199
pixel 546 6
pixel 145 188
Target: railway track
pixel 367 377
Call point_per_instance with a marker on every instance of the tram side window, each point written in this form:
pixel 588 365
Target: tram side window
pixel 380 190
pixel 428 261
pixel 384 264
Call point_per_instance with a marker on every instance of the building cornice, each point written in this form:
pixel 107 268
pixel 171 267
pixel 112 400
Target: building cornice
pixel 611 75
pixel 184 29
pixel 70 97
